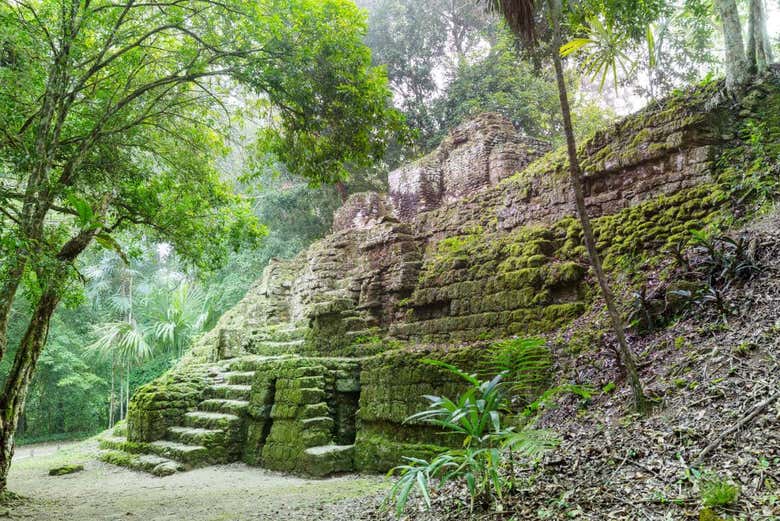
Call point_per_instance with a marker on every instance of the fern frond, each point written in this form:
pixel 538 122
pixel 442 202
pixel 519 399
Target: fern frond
pixel 526 364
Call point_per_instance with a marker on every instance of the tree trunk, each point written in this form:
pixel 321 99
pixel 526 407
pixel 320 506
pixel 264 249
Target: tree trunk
pixel 627 359
pixel 121 394
pixel 341 188
pixel 759 51
pixel 13 278
pixel 38 196
pixel 112 396
pixel 127 390
pixel 18 381
pixel 737 69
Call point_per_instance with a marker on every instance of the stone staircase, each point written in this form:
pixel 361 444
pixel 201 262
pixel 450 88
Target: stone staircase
pixel 211 434
pixel 281 412
pixel 275 342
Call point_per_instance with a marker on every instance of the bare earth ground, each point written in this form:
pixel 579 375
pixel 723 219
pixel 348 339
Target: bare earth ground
pixel 233 492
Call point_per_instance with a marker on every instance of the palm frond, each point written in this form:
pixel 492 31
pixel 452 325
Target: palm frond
pixel 124 340
pixel 531 443
pixel 519 16
pixel 470 378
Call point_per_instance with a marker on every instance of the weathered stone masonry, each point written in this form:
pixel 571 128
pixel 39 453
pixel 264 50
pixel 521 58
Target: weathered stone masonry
pixel 316 368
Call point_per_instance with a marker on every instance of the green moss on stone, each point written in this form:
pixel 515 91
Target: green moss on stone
pixel 65 469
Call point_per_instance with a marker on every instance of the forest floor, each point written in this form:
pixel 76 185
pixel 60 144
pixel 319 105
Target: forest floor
pixel 233 492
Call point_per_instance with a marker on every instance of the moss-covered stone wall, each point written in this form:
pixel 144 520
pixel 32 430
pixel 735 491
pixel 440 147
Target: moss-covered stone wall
pixel 163 403
pixel 503 258
pixel 500 257
pixel 392 388
pixel 297 404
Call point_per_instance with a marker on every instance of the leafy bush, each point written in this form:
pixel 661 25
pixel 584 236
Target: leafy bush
pixel 485 461
pixel 583 392
pixel 725 260
pixel 645 313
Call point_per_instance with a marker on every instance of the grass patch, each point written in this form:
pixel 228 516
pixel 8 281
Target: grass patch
pixel 47 438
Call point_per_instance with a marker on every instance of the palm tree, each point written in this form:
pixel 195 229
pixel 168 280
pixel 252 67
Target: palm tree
pixel 122 340
pixel 520 16
pixel 607 51
pixel 177 314
pixel 124 343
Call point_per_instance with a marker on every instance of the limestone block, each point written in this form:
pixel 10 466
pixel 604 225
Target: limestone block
pixel 362 211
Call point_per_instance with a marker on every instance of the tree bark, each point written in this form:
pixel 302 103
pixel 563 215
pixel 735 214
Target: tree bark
pixel 18 381
pixel 112 396
pixel 127 390
pixel 627 359
pixel 737 68
pixel 37 196
pixel 13 278
pixel 759 52
pixel 341 188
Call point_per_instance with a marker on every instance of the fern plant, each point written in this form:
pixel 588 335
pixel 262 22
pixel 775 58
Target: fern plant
pixel 526 364
pixel 489 447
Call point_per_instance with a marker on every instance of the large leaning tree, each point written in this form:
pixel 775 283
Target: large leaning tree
pixel 111 115
pixel 528 19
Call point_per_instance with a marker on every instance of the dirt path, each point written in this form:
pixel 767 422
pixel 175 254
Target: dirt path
pixel 233 492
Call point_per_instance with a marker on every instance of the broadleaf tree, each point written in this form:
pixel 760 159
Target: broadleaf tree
pixel 111 118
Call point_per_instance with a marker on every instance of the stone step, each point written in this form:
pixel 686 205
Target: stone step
pixel 230 392
pixel 214 371
pixel 365 335
pixel 151 463
pixel 252 362
pixel 196 436
pixel 271 348
pixel 194 455
pixel 120 443
pixel 212 420
pixel 237 407
pixel 272 334
pixel 239 377
pixel 328 459
pixel 320 423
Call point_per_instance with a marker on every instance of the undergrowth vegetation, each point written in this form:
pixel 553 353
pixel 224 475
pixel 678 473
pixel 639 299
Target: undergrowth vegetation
pixel 526 364
pixel 490 447
pixel 703 270
pixel 717 492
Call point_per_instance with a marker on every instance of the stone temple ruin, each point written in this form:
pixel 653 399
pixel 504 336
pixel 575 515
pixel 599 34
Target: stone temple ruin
pixel 315 370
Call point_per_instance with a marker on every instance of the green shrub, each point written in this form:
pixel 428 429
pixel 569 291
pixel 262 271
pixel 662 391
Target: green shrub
pixel 488 445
